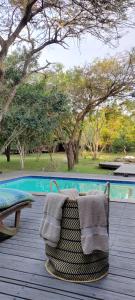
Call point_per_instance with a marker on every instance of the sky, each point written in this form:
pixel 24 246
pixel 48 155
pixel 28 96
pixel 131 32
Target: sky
pixel 89 49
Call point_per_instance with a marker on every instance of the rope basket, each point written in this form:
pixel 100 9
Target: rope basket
pixel 67 261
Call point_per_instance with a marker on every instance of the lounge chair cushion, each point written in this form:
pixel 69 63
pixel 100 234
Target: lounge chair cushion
pixel 9 197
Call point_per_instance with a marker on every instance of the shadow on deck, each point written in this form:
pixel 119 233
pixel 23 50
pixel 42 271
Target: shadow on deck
pixel 22 272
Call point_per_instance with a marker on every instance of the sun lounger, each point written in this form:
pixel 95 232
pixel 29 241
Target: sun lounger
pixel 6 212
pixel 8 207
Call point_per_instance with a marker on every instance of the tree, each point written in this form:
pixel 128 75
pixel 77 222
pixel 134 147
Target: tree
pixel 92 132
pixel 91 87
pixel 112 124
pixel 125 141
pixel 33 25
pixel 111 128
pixel 33 117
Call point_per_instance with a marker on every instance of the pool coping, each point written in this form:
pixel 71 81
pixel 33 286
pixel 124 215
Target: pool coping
pixel 17 174
pixel 68 175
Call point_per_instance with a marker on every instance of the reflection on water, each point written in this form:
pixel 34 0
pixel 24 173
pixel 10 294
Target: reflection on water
pixel 117 190
pixel 122 192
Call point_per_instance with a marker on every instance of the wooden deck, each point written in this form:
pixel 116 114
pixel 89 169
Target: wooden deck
pixel 125 170
pixel 110 165
pixel 22 272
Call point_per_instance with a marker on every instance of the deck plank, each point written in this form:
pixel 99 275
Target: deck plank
pixel 22 272
pixel 126 169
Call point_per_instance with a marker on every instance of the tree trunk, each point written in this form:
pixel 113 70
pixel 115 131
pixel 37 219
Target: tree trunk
pixel 76 152
pixel 7 153
pixel 94 155
pixel 22 161
pixel 69 148
pixel 51 156
pixel 77 145
pixel 21 153
pixel 72 147
pixel 94 151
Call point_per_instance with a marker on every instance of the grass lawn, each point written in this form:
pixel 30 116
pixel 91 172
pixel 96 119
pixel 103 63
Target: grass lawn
pixel 59 164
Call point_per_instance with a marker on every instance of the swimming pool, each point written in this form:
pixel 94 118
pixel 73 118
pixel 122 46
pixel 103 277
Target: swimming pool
pixel 122 190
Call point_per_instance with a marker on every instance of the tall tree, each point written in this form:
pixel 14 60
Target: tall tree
pixel 90 87
pixel 35 24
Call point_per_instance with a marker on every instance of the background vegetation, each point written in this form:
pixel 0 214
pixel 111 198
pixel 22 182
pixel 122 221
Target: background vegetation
pixel 89 108
pixel 59 164
pixel 67 110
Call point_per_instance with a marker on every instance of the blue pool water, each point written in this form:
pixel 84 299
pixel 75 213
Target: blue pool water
pixel 118 189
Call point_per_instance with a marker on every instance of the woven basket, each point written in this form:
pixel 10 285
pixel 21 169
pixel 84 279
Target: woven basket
pixel 67 260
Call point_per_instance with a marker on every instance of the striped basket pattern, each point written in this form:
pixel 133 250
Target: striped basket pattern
pixel 67 261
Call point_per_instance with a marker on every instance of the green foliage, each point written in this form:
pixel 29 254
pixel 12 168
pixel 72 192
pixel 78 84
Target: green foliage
pixel 36 113
pixel 121 143
pixel 14 66
pixel 52 108
pixel 13 75
pixel 110 128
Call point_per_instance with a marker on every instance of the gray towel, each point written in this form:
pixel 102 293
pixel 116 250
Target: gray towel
pixel 93 222
pixel 71 193
pixel 51 223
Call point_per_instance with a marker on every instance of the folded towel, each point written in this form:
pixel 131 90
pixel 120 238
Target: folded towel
pixel 71 193
pixel 51 223
pixel 93 221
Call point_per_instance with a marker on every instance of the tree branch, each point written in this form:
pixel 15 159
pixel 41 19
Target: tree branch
pixel 41 68
pixel 45 44
pixel 16 132
pixel 2 41
pixel 12 22
pixel 25 19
